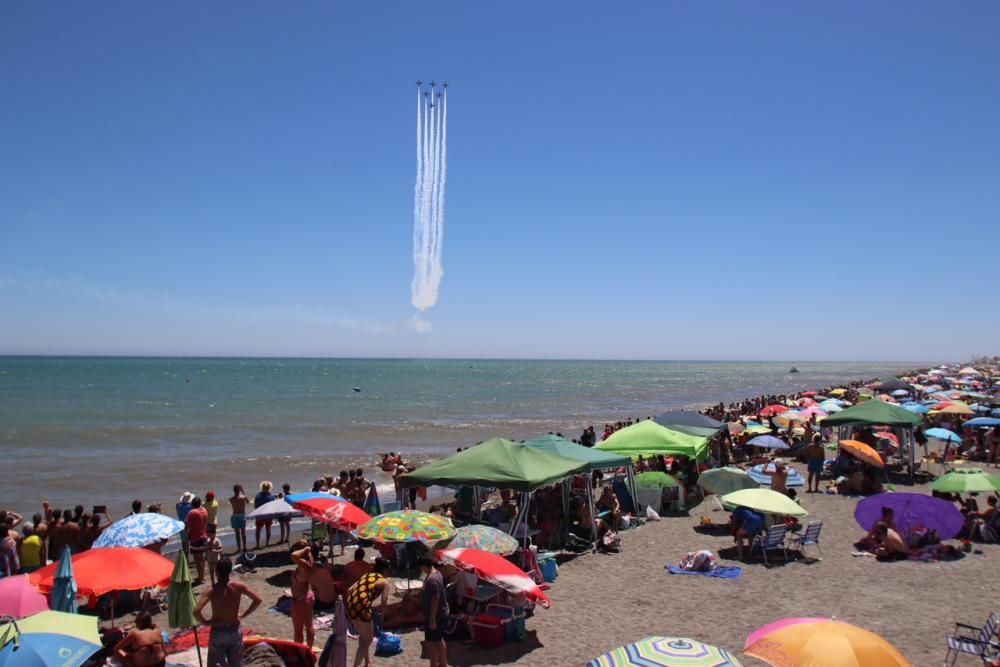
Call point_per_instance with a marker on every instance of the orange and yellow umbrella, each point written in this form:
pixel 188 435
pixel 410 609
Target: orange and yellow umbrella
pixel 802 642
pixel 862 451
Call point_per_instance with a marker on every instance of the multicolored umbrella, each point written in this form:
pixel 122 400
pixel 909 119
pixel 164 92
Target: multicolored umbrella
pixel 968 480
pixel 406 526
pixel 18 598
pixel 100 571
pixel 764 500
pixel 484 538
pixel 138 530
pixel 820 641
pixel 862 452
pixel 495 569
pixel 725 480
pixel 911 509
pixel 49 638
pixel 666 652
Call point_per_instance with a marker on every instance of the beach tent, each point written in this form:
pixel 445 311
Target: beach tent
pixel 879 413
pixel 499 463
pixel 651 439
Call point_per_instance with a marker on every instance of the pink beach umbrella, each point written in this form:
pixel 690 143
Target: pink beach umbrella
pixel 18 598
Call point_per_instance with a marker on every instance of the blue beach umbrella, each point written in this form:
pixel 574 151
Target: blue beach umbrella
pixel 63 595
pixel 138 530
pixel 918 408
pixel 768 441
pixel 49 639
pixel 943 434
pixel 982 421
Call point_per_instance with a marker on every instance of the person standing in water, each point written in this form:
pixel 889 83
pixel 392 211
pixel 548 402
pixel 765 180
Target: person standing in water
pixel 225 639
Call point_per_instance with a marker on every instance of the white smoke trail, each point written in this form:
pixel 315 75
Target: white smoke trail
pixel 428 205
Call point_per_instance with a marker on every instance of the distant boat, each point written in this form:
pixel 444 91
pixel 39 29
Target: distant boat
pixel 794 370
pixel 357 389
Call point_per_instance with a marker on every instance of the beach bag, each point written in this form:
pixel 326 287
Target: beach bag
pixel 699 561
pixel 611 541
pixel 388 644
pixel 651 514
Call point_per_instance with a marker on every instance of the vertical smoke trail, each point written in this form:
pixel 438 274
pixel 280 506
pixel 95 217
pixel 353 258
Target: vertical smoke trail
pixel 432 227
pixel 439 205
pixel 418 231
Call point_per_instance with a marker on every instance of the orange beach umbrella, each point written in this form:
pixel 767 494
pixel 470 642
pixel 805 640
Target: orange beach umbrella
pixel 862 451
pixel 100 571
pixel 795 642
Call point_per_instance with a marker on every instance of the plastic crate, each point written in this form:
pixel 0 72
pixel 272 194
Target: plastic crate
pixel 488 631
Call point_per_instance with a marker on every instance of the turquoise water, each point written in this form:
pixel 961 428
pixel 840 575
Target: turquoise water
pixel 106 430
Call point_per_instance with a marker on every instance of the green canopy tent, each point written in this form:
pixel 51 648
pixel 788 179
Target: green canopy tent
pixel 647 438
pixel 880 413
pixel 596 460
pixel 499 463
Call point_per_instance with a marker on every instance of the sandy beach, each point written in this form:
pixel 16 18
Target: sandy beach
pixel 603 601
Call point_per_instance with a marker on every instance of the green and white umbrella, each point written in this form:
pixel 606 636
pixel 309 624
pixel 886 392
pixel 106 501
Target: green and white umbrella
pixel 970 480
pixel 666 652
pixel 180 599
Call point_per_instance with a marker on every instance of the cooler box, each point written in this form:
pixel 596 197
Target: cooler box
pixel 507 616
pixel 549 568
pixel 488 631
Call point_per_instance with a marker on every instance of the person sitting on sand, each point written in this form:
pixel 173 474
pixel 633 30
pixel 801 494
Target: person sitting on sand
pixel 357 568
pixel 608 502
pixel 225 639
pixel 872 540
pixel 143 646
pixel 778 475
pixel 891 544
pixel 327 583
pixel 750 524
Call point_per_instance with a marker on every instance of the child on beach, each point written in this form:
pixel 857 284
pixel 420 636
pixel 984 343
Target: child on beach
pixel 213 550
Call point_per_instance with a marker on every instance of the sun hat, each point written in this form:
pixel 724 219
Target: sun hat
pixel 187 497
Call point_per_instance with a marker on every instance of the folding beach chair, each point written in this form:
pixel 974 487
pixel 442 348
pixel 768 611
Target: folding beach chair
pixel 809 537
pixel 772 540
pixel 982 646
pixel 990 530
pixel 393 506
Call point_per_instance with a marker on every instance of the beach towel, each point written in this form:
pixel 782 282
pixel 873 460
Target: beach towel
pixel 722 571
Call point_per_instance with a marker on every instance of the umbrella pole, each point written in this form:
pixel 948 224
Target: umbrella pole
pixel 197 646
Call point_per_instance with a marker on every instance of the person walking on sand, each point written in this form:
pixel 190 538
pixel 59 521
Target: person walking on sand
pixel 361 607
pixel 238 520
pixel 814 463
pixel 225 639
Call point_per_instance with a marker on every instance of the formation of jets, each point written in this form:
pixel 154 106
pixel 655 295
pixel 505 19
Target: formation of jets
pixel 433 85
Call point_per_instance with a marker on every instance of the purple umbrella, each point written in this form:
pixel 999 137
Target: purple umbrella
pixel 909 510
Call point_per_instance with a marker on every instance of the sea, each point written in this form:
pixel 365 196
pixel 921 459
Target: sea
pixel 105 431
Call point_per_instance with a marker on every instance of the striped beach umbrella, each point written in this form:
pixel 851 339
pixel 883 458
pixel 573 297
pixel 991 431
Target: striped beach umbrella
pixel 666 652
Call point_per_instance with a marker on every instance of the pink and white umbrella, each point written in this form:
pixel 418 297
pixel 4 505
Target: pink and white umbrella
pixel 495 569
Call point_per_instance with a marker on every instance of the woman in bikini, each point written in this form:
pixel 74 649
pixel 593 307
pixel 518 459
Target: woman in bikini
pixel 143 646
pixel 302 594
pixel 360 606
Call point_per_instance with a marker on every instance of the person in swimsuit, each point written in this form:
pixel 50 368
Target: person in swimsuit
pixel 225 640
pixel 238 520
pixel 814 463
pixel 302 594
pixel 143 646
pixel 360 606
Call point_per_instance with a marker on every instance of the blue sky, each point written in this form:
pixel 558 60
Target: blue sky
pixel 626 180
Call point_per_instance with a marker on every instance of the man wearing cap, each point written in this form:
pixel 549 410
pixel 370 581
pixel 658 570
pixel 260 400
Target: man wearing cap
pixel 183 507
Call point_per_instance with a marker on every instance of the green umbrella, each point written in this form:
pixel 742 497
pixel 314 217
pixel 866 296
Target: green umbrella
pixel 180 599
pixel 764 500
pixel 726 480
pixel 971 480
pixel 655 479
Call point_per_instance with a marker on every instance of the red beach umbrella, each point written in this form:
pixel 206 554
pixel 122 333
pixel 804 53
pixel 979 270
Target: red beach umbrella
pixel 495 569
pixel 772 410
pixel 100 571
pixel 334 511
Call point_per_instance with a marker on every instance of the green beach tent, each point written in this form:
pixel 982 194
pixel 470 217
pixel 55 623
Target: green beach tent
pixel 647 438
pixel 874 413
pixel 596 460
pixel 500 463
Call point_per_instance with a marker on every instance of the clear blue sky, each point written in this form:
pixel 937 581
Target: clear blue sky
pixel 628 180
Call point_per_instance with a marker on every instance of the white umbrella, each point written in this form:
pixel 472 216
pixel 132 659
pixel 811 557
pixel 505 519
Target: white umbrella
pixel 273 510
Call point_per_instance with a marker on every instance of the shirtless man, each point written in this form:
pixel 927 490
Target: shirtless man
pixel 143 646
pixel 238 520
pixel 815 455
pixel 892 546
pixel 779 477
pixel 225 641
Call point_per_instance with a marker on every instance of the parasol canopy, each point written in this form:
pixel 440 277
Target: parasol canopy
pixel 495 569
pixel 909 510
pixel 666 652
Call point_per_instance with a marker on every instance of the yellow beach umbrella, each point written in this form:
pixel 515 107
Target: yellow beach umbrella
pixel 802 642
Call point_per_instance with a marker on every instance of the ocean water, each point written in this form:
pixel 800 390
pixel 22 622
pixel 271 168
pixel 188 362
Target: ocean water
pixel 106 430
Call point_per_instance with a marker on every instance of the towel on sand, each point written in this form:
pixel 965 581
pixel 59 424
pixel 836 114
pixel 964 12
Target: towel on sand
pixel 722 572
